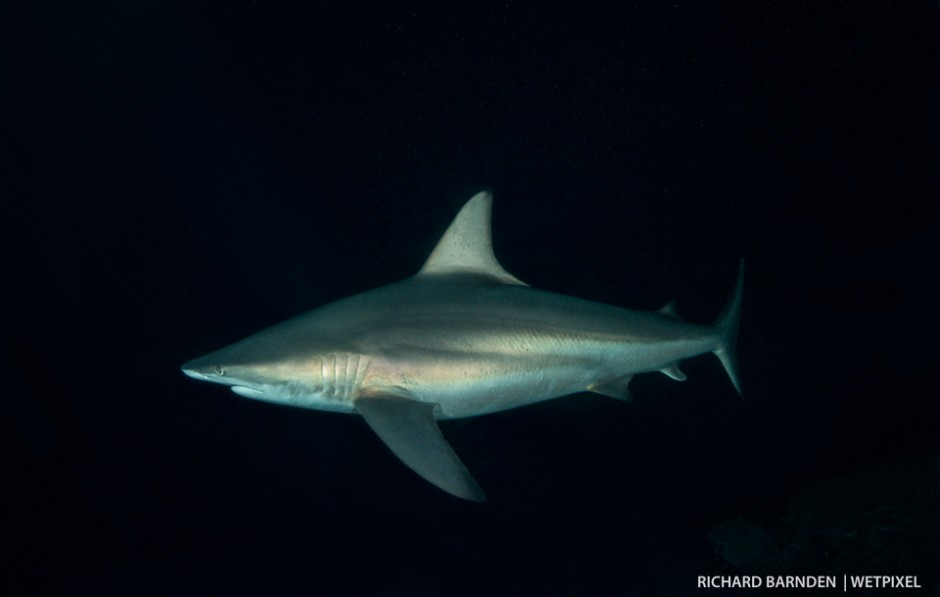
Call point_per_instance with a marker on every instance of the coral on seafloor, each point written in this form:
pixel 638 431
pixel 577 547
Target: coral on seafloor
pixel 883 521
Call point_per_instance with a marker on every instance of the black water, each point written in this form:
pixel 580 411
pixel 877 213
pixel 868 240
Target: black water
pixel 177 175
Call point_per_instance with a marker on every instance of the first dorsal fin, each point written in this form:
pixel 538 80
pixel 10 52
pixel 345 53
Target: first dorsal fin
pixel 467 246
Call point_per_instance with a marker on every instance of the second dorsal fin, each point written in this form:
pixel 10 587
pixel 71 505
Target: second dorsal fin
pixel 669 310
pixel 467 245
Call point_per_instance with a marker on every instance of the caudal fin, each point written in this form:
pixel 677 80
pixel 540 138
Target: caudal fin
pixel 727 324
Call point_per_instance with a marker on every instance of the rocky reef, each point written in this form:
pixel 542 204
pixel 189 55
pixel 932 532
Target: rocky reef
pixel 881 521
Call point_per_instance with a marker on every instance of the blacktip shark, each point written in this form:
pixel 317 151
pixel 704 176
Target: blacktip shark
pixel 463 337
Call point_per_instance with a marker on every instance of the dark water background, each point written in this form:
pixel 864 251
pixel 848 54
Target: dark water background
pixel 177 175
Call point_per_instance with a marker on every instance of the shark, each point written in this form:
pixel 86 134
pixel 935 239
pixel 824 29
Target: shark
pixel 461 338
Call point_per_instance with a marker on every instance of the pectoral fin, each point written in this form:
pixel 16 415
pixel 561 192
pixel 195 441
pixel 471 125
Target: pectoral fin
pixel 408 428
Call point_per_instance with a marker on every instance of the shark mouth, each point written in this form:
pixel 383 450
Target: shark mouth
pixel 248 392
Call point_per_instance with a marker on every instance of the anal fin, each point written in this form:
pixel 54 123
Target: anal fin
pixel 409 430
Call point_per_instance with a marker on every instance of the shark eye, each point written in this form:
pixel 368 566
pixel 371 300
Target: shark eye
pixel 219 370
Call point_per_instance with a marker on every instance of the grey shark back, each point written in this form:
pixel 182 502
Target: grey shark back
pixel 461 338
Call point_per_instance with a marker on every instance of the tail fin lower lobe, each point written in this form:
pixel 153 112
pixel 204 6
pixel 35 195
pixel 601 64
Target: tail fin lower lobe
pixel 727 324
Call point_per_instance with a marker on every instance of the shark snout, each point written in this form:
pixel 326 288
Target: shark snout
pixel 191 372
pixel 201 368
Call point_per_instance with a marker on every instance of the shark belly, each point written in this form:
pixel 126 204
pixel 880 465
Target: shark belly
pixel 479 388
pixel 472 348
pixel 504 372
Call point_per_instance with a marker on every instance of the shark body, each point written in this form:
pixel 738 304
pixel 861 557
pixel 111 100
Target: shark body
pixel 461 338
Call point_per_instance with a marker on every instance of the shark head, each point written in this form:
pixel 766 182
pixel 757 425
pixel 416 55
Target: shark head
pixel 226 367
pixel 270 366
